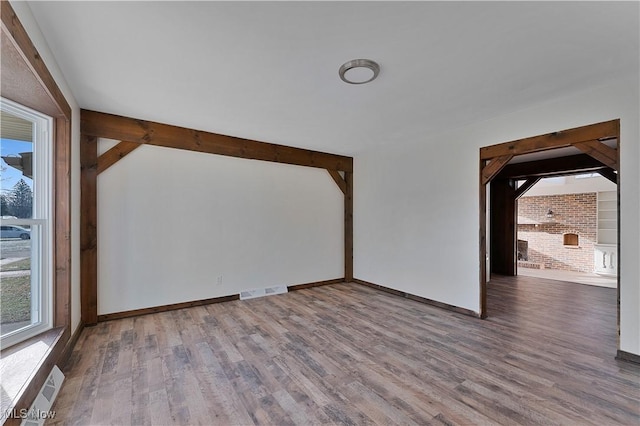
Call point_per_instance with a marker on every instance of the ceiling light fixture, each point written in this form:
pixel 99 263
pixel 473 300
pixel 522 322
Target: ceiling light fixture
pixel 359 71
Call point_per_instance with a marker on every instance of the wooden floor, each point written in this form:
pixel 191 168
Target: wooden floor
pixel 349 354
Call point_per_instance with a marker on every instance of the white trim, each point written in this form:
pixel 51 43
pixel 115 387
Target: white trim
pixel 40 223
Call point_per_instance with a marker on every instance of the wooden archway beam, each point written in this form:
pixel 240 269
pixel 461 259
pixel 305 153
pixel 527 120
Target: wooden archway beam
pixel 490 170
pixel 601 152
pixel 527 185
pixel 564 138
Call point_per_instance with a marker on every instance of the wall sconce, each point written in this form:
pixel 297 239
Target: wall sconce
pixel 550 214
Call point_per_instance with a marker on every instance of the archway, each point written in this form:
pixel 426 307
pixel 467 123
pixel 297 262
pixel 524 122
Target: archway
pixel 592 147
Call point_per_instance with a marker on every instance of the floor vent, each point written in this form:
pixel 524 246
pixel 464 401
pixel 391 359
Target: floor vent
pixel 260 292
pixel 41 408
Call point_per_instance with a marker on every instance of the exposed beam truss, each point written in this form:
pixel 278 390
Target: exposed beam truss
pixel 133 133
pixel 114 155
pixel 342 184
pixel 151 133
pixel 601 131
pixel 527 185
pixel 494 166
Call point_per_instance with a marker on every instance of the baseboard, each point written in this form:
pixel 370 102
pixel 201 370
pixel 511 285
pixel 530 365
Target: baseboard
pixel 175 306
pixel 165 308
pixel 628 356
pixel 420 299
pixel 315 284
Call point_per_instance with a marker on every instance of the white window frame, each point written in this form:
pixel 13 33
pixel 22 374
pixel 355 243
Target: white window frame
pixel 40 224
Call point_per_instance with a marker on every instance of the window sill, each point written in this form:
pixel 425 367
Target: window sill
pixel 25 366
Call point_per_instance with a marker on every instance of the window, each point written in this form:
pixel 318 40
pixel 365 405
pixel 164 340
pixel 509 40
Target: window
pixel 26 232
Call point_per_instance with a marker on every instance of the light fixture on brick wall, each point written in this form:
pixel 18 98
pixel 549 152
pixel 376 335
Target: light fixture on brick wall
pixel 550 214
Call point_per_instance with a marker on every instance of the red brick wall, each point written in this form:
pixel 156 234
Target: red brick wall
pixel 573 213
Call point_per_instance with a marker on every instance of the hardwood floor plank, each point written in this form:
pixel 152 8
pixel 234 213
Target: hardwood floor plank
pixel 350 354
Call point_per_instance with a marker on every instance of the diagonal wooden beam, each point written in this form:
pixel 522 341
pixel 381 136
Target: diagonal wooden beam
pixel 339 180
pixel 601 152
pixel 522 189
pixel 609 174
pixel 493 168
pixel 564 138
pixel 114 155
pixel 147 132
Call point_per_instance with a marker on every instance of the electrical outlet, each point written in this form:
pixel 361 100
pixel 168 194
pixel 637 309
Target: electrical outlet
pixel 219 282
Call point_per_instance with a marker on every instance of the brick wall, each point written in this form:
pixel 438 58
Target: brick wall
pixel 573 213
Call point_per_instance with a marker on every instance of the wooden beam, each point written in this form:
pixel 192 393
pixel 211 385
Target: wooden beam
pixel 62 223
pixel 348 227
pixel 339 180
pixel 147 132
pixel 522 189
pixel 19 37
pixel 601 152
pixel 114 155
pixel 559 166
pixel 607 129
pixel 502 228
pixel 88 229
pixel 483 242
pixel 609 174
pixel 493 168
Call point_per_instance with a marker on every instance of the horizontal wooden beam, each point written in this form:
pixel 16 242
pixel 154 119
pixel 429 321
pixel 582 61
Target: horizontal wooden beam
pixel 147 132
pixel 605 130
pixel 114 155
pixel 558 166
pixel 339 180
pixel 527 185
pixel 601 152
pixel 493 168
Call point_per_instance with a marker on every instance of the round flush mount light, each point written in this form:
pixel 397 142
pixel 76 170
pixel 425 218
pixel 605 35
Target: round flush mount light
pixel 359 71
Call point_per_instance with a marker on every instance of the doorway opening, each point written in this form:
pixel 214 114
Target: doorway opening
pixel 588 149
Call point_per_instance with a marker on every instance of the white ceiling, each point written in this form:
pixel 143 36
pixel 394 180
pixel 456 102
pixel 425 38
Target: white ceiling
pixel 269 70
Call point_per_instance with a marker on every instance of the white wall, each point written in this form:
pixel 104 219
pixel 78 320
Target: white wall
pixel 171 222
pixel 570 185
pixel 416 202
pixel 28 21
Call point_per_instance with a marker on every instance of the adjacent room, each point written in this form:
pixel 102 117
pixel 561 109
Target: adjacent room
pixel 234 213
